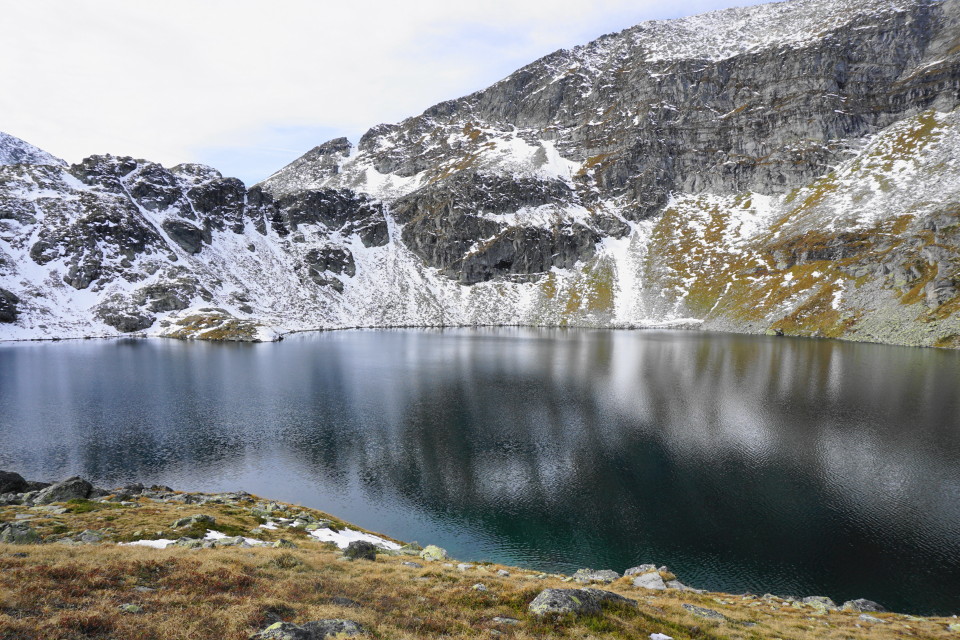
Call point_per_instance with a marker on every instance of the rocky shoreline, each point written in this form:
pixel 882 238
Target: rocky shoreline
pixel 59 514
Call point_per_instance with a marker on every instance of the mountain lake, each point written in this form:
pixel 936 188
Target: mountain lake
pixel 744 463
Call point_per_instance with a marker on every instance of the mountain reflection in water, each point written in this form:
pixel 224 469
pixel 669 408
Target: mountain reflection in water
pixel 745 463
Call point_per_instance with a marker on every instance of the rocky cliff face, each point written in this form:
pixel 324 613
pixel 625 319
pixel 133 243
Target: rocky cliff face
pixel 786 167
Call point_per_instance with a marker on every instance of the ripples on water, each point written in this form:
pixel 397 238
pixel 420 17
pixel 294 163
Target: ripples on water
pixel 745 463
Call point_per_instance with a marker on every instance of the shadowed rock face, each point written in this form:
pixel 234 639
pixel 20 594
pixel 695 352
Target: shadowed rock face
pixel 642 120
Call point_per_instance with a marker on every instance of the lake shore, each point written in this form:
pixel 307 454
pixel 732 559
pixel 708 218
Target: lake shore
pixel 79 561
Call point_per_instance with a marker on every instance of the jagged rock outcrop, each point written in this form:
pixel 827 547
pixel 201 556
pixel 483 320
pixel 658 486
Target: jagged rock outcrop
pixel 785 168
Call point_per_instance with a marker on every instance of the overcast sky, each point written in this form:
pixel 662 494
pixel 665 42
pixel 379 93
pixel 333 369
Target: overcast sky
pixel 247 86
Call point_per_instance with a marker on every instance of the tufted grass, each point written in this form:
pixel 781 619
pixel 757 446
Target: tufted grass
pixel 54 591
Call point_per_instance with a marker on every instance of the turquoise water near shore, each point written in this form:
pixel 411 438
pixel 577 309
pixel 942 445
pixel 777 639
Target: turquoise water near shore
pixel 745 463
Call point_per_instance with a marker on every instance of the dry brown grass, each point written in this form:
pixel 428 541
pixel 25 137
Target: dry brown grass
pixel 55 591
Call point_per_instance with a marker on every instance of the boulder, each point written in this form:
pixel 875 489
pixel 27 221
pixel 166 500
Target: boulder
pixel 860 605
pixel 576 601
pixel 360 550
pixel 821 603
pixel 434 553
pixel 11 482
pixel 74 488
pixel 415 565
pixel 587 576
pixel 18 533
pixel 317 630
pixel 651 580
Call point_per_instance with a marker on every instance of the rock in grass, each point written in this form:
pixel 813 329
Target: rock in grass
pixel 866 617
pixel 283 544
pixel 586 576
pixel 703 612
pixel 651 580
pixel 131 608
pixel 75 488
pixel 415 565
pixel 18 533
pixel 861 605
pixel 200 518
pixel 576 601
pixel 360 550
pixel 434 553
pixel 316 630
pixel 11 482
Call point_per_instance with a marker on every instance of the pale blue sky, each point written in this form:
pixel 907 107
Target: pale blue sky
pixel 248 86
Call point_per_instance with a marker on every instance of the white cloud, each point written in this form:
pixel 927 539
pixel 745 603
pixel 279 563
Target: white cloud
pixel 252 84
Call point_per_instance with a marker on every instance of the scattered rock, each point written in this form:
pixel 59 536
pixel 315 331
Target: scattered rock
pixel 503 572
pixel 575 601
pixel 862 605
pixel 434 553
pixel 868 618
pixel 360 550
pixel 954 626
pixel 703 612
pixel 415 565
pixel 18 533
pixel 75 488
pixel 479 587
pixel 309 631
pixel 660 636
pixel 131 608
pixel 464 567
pixel 651 580
pixel 505 620
pixel 643 568
pixel 230 541
pixel 48 508
pixel 586 576
pixel 11 482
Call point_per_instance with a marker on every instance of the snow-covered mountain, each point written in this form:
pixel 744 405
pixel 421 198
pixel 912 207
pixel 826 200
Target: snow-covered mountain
pixel 785 167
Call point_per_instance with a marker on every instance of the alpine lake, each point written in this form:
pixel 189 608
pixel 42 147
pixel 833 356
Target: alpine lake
pixel 744 463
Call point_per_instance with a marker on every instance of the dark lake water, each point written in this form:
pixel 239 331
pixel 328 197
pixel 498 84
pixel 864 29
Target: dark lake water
pixel 790 466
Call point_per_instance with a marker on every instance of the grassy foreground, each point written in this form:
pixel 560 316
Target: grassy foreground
pixel 61 591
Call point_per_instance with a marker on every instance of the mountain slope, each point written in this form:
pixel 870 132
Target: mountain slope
pixel 787 167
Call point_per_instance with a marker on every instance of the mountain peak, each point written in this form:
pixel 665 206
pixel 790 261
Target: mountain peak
pixel 13 150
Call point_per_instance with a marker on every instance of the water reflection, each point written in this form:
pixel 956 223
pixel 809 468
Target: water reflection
pixel 791 466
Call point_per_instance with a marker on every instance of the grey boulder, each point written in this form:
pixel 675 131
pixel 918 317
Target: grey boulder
pixel 586 576
pixel 651 580
pixel 360 550
pixel 18 533
pixel 75 488
pixel 576 601
pixel 11 482
pixel 861 605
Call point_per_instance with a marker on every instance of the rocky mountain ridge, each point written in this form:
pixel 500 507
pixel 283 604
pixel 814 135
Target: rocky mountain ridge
pixel 789 167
